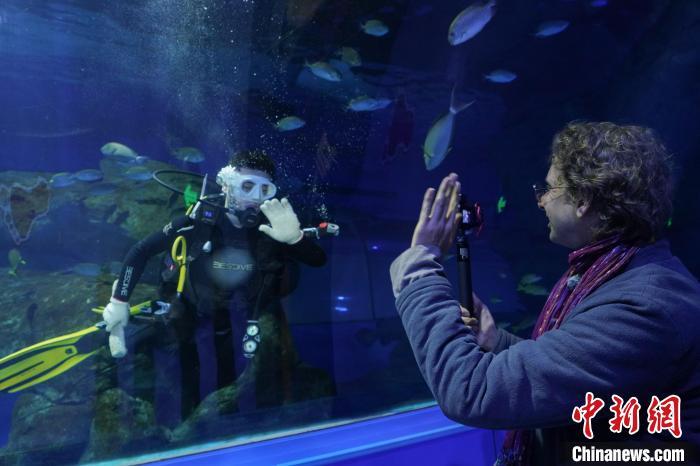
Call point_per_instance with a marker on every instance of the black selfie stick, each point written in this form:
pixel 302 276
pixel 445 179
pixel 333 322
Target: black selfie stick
pixel 471 220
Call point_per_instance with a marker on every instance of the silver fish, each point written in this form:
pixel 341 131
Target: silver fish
pixel 470 22
pixel 289 123
pixel 501 76
pixel 374 27
pixel 15 259
pixel 530 278
pixel 61 180
pixel 324 71
pixel 534 290
pixel 367 104
pixel 550 28
pixel 349 55
pixel 437 142
pixel 120 152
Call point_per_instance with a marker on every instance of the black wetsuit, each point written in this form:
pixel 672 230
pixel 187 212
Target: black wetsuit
pixel 242 277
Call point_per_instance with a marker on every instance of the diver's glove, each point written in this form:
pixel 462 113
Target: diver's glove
pixel 116 315
pixel 284 225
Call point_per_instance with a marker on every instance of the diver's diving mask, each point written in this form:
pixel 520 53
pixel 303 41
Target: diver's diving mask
pixel 244 188
pixel 244 193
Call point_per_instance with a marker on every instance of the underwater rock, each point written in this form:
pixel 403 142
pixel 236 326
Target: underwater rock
pixel 22 206
pixel 287 393
pixel 122 426
pixel 45 431
pixel 218 417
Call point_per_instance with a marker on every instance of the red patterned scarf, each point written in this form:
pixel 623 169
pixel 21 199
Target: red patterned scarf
pixel 589 267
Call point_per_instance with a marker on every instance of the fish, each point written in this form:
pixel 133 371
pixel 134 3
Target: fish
pixel 188 154
pixel 501 76
pixel 120 152
pixel 86 269
pixel 530 278
pixel 138 174
pixel 470 21
pixel 14 257
pixel 367 104
pixel 495 300
pixel 324 71
pixel 289 123
pixel 437 142
pixel 551 28
pixel 349 55
pixel 534 290
pixel 374 27
pixel 61 180
pixel 89 175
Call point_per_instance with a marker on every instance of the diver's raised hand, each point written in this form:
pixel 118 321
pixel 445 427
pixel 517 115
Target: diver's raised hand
pixel 284 225
pixel 439 215
pixel 482 324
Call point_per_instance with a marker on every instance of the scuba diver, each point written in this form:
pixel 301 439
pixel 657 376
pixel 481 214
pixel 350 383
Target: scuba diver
pixel 237 269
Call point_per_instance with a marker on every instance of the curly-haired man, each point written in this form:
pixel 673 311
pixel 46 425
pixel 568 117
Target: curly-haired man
pixel 622 320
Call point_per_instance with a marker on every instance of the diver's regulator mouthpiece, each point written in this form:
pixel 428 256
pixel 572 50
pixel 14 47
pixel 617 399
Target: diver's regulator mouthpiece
pixel 249 217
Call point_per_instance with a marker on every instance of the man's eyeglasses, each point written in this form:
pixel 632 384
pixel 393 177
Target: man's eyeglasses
pixel 541 190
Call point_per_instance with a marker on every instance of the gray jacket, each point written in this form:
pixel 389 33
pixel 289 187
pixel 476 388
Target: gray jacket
pixel 636 335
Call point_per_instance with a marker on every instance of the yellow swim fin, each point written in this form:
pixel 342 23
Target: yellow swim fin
pixel 49 358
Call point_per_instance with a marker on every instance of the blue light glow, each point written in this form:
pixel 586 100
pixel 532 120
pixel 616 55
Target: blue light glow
pixel 341 309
